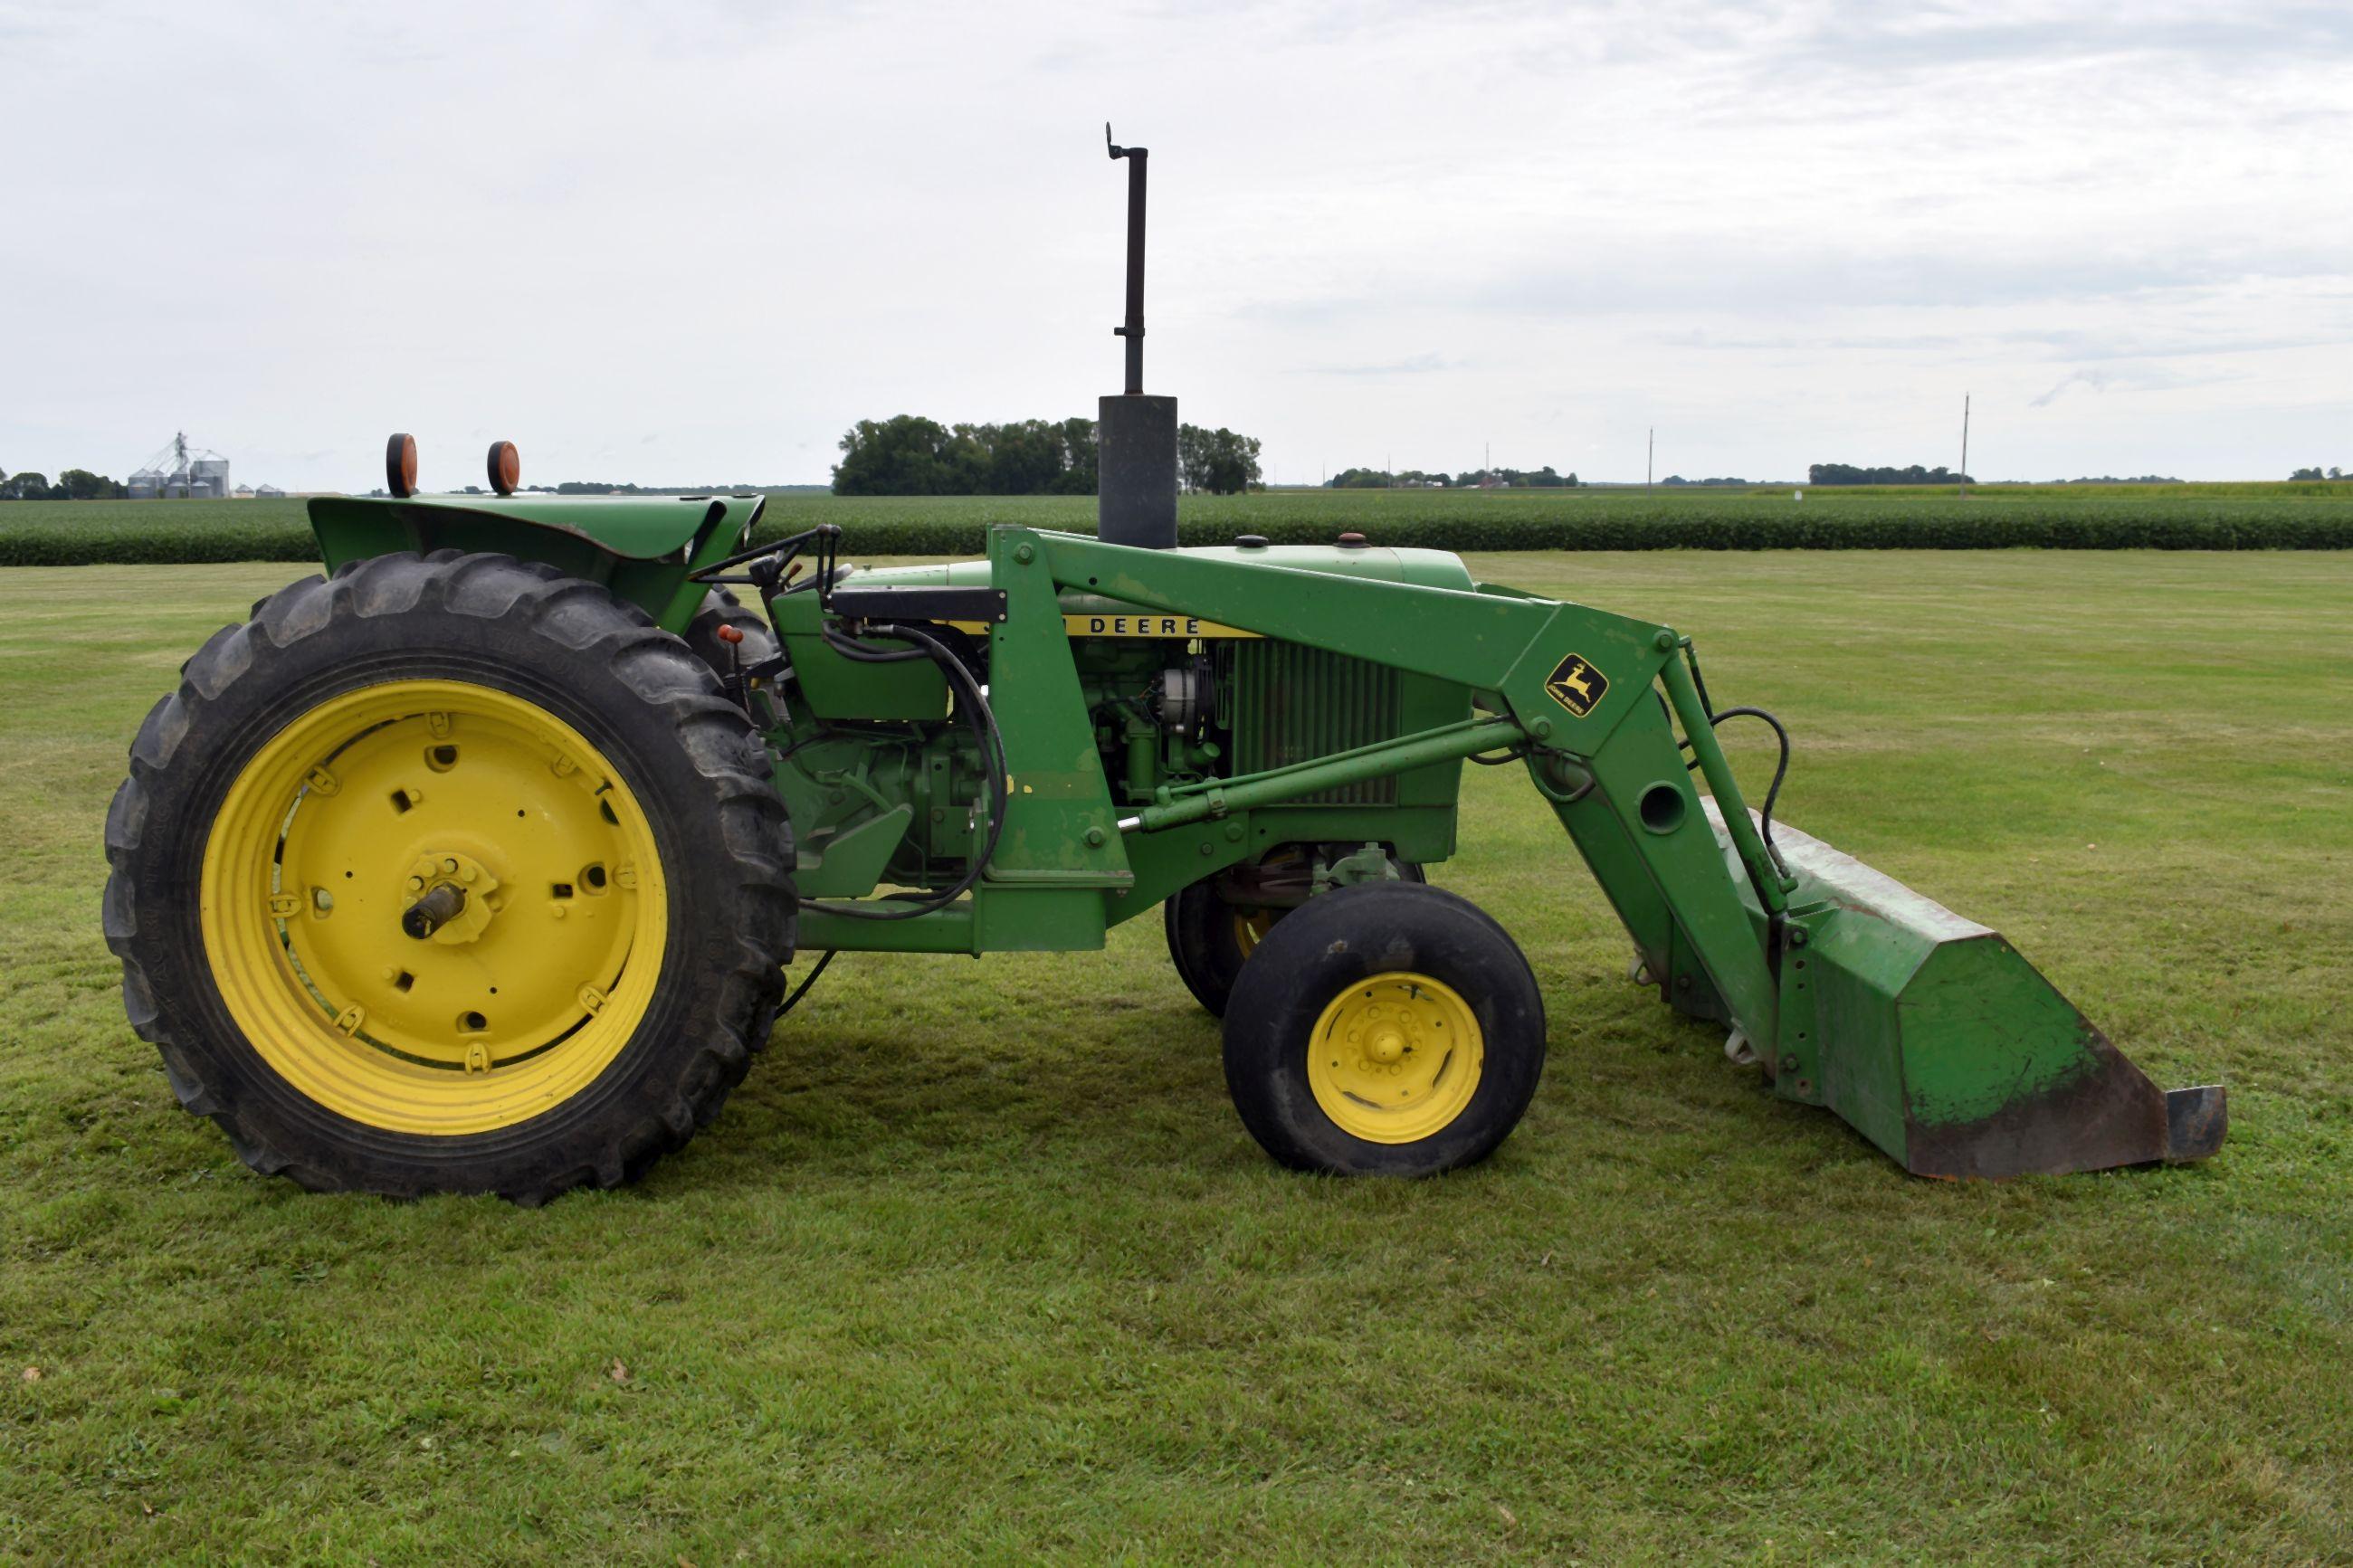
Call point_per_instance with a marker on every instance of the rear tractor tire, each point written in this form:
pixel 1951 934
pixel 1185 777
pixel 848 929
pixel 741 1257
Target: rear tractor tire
pixel 1384 1029
pixel 449 874
pixel 1210 939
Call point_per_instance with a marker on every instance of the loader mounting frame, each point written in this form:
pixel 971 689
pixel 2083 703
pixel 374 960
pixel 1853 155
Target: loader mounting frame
pixel 1928 1033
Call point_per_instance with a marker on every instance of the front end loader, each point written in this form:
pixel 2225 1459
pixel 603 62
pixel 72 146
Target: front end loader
pixel 478 863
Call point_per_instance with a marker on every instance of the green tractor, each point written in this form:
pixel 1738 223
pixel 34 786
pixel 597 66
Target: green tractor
pixel 478 863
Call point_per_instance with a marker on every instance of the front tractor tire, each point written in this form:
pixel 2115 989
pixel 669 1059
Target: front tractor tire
pixel 1384 1029
pixel 449 874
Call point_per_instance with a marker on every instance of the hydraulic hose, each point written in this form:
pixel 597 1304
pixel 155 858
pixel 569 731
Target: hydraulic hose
pixel 973 704
pixel 1780 771
pixel 801 990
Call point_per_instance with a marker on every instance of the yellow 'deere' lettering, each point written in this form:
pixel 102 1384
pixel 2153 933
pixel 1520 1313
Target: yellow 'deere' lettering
pixel 1171 627
pixel 1186 626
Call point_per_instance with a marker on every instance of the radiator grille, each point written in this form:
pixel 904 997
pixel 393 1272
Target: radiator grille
pixel 1293 703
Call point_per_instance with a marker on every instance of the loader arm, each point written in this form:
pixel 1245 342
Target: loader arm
pixel 1612 772
pixel 1926 1032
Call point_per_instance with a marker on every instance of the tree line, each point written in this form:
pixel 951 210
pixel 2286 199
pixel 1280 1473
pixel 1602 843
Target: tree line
pixel 1848 474
pixel 908 455
pixel 74 484
pixel 1415 479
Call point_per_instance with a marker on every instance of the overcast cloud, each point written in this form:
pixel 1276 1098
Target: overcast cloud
pixel 689 243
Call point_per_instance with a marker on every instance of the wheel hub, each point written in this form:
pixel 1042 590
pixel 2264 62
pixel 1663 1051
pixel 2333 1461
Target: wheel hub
pixel 455 896
pixel 1394 1057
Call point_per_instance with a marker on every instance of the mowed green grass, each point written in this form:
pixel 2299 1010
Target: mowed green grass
pixel 979 1265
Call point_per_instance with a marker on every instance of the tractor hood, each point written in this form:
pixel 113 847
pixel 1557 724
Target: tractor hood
pixel 1421 568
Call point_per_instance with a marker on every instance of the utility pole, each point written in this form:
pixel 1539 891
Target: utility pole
pixel 1649 452
pixel 1965 445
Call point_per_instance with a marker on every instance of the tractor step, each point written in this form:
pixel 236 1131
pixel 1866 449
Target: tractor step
pixel 1938 1041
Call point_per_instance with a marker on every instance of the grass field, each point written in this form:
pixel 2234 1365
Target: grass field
pixel 980 1265
pixel 2211 516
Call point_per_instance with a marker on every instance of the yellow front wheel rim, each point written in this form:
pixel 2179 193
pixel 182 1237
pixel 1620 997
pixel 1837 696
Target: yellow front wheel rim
pixel 1396 1057
pixel 551 904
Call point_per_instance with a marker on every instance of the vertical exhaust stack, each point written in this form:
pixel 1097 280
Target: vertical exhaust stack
pixel 1135 487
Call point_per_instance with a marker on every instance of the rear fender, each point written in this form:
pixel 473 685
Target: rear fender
pixel 645 548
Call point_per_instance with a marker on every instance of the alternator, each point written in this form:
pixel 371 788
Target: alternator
pixel 1185 699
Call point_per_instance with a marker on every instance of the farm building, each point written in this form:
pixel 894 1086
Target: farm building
pixel 181 472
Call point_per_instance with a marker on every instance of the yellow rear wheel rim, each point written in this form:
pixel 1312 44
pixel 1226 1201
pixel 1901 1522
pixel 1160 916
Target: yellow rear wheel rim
pixel 1249 929
pixel 352 812
pixel 1396 1057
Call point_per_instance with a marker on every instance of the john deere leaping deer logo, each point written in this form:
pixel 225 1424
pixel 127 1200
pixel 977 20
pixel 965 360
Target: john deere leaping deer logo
pixel 1577 686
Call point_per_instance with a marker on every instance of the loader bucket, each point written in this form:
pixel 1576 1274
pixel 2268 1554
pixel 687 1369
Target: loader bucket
pixel 1937 1041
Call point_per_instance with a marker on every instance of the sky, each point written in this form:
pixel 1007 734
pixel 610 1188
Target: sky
pixel 692 242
